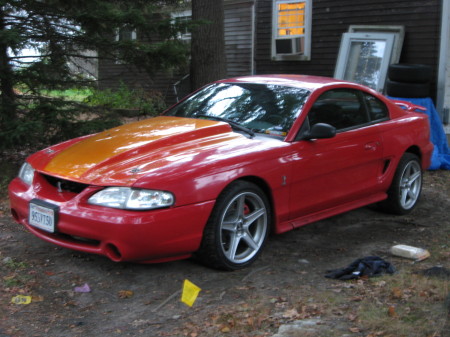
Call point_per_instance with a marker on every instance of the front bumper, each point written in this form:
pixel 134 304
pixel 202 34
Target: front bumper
pixel 121 235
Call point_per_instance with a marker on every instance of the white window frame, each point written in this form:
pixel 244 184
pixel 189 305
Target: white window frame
pixel 133 34
pixel 297 55
pixel 117 38
pixel 182 14
pixel 345 60
pixel 398 31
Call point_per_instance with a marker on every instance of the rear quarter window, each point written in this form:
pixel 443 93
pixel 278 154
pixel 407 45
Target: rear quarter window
pixel 377 109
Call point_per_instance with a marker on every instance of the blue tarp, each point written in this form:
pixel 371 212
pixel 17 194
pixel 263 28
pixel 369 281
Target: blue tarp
pixel 441 153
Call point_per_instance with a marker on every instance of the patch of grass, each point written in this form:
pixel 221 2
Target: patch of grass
pixel 148 103
pixel 16 273
pixel 14 265
pixel 12 281
pixel 76 95
pixel 244 318
pixel 405 304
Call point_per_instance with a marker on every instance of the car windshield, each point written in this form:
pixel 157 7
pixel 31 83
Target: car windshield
pixel 261 108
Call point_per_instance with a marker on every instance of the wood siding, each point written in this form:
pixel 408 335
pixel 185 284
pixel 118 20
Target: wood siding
pixel 112 75
pixel 239 37
pixel 330 19
pixel 239 25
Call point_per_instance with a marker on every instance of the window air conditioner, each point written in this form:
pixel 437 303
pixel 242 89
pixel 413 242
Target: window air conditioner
pixel 290 46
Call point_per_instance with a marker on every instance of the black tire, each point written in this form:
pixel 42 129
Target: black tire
pixel 407 90
pixel 237 228
pixel 409 73
pixel 406 187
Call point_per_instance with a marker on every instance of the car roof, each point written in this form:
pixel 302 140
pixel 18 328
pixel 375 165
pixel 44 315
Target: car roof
pixel 308 82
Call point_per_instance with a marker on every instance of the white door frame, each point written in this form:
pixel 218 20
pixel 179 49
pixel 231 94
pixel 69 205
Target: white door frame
pixel 443 72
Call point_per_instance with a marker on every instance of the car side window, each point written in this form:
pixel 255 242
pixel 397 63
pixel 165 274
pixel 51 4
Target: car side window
pixel 377 109
pixel 341 108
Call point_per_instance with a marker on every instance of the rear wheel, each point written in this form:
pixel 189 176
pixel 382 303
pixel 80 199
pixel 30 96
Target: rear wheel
pixel 406 186
pixel 237 229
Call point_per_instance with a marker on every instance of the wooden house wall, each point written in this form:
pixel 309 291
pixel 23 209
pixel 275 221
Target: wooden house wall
pixel 330 19
pixel 112 74
pixel 239 29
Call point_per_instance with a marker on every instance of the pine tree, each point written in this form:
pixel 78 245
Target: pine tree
pixel 61 30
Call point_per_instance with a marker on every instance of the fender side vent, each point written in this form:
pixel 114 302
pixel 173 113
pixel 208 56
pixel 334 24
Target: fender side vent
pixel 386 165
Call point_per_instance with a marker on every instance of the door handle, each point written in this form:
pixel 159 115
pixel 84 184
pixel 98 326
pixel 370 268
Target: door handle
pixel 372 146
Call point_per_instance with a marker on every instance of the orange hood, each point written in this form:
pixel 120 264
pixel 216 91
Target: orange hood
pixel 115 154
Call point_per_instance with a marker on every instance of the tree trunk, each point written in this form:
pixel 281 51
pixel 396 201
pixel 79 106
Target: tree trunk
pixel 208 62
pixel 8 97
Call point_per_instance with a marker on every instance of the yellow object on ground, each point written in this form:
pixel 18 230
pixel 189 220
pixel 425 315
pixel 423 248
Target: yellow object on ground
pixel 190 293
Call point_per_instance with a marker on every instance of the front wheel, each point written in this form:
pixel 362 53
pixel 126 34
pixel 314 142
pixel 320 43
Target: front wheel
pixel 237 228
pixel 406 186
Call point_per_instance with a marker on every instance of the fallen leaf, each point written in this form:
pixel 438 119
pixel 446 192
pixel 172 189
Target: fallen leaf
pixel 9 277
pixel 125 294
pixel 291 313
pixel 391 312
pixel 37 298
pixel 352 317
pixel 424 293
pixel 397 293
pixel 70 303
pixel 380 284
pixel 140 322
pixel 225 329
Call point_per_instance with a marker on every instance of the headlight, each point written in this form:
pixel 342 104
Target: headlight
pixel 26 173
pixel 133 199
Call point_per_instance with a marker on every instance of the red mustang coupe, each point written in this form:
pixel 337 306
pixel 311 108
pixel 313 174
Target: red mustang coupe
pixel 217 172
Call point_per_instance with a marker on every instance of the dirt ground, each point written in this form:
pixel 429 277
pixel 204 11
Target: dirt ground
pixel 286 284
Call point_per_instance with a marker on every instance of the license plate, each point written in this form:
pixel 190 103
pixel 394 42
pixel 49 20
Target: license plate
pixel 43 215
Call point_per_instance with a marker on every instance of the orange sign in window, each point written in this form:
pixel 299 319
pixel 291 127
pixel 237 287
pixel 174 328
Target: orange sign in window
pixel 291 19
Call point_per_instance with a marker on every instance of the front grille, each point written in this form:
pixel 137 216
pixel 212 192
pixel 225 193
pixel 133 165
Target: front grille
pixel 65 185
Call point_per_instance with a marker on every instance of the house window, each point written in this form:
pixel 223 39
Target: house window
pixel 291 30
pixel 182 19
pixel 125 34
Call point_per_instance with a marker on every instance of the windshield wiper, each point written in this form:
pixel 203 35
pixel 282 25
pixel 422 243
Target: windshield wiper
pixel 233 124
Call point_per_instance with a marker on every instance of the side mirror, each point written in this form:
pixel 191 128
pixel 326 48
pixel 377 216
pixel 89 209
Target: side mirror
pixel 320 131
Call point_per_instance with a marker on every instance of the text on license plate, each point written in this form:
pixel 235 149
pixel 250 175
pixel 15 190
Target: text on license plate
pixel 43 216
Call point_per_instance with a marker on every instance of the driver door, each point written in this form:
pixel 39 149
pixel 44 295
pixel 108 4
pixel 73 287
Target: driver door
pixel 329 173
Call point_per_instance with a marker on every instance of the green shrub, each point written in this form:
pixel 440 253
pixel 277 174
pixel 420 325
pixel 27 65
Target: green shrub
pixel 146 103
pixel 55 116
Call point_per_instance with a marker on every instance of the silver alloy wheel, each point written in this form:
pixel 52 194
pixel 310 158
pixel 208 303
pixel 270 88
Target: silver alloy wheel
pixel 410 184
pixel 243 227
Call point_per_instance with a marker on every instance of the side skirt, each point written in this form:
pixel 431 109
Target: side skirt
pixel 309 218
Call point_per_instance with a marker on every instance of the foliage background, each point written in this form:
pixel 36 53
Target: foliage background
pixel 36 107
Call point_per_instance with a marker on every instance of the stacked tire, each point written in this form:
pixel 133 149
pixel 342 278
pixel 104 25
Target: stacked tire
pixel 408 80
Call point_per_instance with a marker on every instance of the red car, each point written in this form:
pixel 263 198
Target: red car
pixel 217 172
